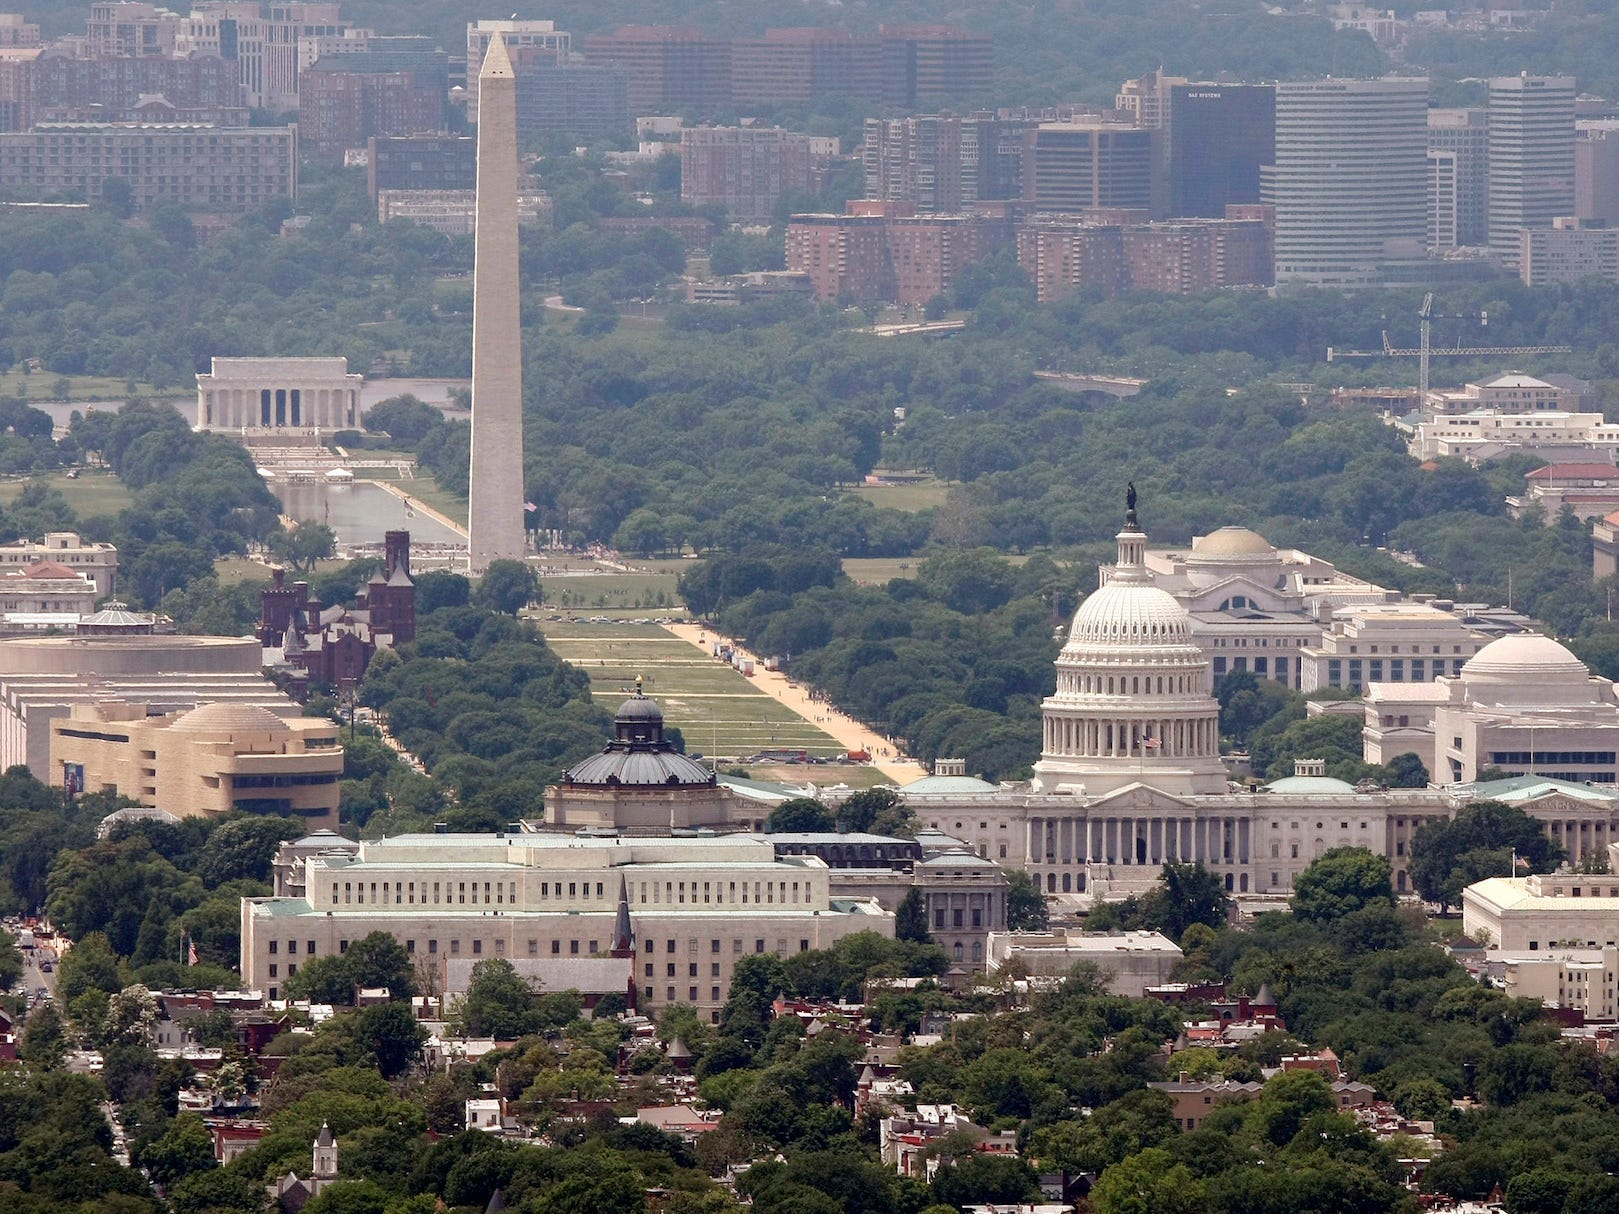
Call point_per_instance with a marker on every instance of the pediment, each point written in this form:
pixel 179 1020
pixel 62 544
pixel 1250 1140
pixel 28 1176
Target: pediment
pixel 1138 798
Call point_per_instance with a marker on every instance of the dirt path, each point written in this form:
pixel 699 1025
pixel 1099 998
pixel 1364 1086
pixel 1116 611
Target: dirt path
pixel 850 734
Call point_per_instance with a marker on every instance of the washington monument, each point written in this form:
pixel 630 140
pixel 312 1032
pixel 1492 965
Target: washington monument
pixel 495 511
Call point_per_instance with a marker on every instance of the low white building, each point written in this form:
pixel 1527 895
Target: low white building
pixel 1584 980
pixel 682 911
pixel 1523 704
pixel 94 560
pixel 1400 642
pixel 1130 961
pixel 1554 911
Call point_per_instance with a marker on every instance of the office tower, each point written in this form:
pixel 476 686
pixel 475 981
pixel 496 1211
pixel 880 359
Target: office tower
pixel 523 39
pixel 923 63
pixel 1458 157
pixel 569 98
pixel 1220 135
pixel 495 506
pixel 1596 172
pixel 671 68
pixel 1071 166
pixel 806 64
pixel 1350 181
pixel 1531 172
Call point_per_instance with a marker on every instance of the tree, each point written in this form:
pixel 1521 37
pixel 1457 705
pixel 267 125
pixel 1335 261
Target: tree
pixel 1481 841
pixel 1150 1182
pixel 1025 904
pixel 1407 771
pixel 307 543
pixel 507 586
pixel 387 1033
pixel 911 917
pixel 865 810
pixel 184 1148
pixel 1185 894
pixel 799 815
pixel 1340 882
pixel 498 1002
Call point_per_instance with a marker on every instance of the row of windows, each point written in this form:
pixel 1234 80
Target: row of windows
pixel 452 894
pixel 1552 756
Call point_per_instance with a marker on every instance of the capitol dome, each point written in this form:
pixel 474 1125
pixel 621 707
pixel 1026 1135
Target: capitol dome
pixel 1132 703
pixel 1527 668
pixel 1225 542
pixel 1130 612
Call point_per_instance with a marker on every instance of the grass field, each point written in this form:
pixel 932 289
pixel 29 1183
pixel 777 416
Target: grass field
pixel 619 591
pixel 42 385
pixel 921 496
pixel 718 710
pixel 91 494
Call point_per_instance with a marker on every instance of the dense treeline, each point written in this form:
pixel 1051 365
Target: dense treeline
pixel 87 294
pixel 491 711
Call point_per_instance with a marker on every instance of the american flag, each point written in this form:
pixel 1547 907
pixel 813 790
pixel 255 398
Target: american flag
pixel 1150 743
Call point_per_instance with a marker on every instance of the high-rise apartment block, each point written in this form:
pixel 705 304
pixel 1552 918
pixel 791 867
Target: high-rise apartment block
pixel 1219 136
pixel 942 163
pixel 1349 182
pixel 523 39
pixel 127 89
pixel 346 99
pixel 215 169
pixel 262 40
pixel 17 33
pixel 1458 163
pixel 1064 254
pixel 1531 171
pixel 1148 100
pixel 746 170
pixel 126 27
pixel 888 255
pixel 1082 166
pixel 674 68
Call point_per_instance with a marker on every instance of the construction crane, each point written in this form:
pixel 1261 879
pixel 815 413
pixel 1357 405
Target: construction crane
pixel 1425 350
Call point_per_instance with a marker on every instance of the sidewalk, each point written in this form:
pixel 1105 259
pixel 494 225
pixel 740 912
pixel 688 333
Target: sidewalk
pixel 418 504
pixel 850 734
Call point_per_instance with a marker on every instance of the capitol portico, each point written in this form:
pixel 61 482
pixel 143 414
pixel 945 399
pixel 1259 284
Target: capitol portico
pixel 1130 774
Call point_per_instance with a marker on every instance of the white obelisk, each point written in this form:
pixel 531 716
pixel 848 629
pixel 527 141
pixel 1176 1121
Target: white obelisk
pixel 495 509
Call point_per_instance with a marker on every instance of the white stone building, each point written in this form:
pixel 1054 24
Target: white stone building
pixel 1545 912
pixel 1253 606
pixel 1392 642
pixel 1512 412
pixel 1523 704
pixel 96 560
pixel 1122 785
pixel 278 396
pixel 697 904
pixel 1132 961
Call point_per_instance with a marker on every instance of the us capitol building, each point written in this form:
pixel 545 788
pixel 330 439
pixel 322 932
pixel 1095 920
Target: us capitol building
pixel 1130 774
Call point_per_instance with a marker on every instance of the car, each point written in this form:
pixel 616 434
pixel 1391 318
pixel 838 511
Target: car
pixel 46 967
